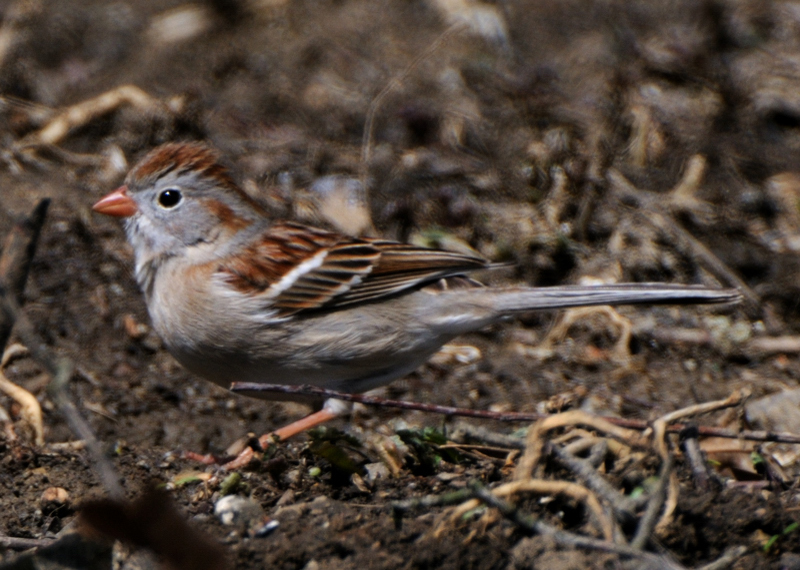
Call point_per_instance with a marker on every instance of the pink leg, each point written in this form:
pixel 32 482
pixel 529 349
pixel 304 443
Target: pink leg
pixel 331 410
pixel 282 434
pixel 304 424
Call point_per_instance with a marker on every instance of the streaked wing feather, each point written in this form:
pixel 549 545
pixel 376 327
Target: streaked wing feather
pixel 402 267
pixel 295 268
pixel 280 250
pixel 345 266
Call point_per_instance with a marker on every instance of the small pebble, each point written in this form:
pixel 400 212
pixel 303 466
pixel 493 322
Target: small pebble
pixel 243 512
pixel 376 471
pixel 286 499
pixel 54 498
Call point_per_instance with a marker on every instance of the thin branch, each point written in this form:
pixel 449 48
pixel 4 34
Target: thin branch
pixel 30 410
pixel 560 536
pixel 624 507
pixel 81 113
pixel 15 262
pixel 448 499
pixel 465 433
pixel 654 506
pixel 14 543
pixel 313 392
pixel 535 440
pixel 545 487
pixel 694 455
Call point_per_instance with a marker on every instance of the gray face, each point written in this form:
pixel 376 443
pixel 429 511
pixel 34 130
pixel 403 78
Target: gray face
pixel 179 211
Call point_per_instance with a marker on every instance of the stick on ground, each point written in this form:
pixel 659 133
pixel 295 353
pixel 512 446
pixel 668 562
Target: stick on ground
pixel 15 262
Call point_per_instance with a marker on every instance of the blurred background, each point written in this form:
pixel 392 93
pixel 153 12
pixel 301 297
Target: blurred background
pixel 612 140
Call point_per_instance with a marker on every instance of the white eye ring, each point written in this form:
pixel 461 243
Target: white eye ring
pixel 169 198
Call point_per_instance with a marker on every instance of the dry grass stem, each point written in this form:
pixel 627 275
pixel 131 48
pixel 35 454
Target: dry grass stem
pixel 623 506
pixel 556 199
pixel 535 441
pixel 82 113
pixel 544 487
pixel 654 504
pixel 465 432
pixel 726 560
pixel 396 82
pixel 30 410
pixel 620 353
pixel 565 538
pixel 15 543
pixel 683 194
pixel 660 443
pixel 12 353
pixel 583 443
pixel 660 425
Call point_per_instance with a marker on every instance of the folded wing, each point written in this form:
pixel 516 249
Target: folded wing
pixel 296 268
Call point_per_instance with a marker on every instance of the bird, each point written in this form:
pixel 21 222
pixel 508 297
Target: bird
pixel 239 297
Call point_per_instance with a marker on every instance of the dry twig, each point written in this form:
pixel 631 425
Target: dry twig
pixel 694 456
pixel 624 507
pixel 19 248
pixel 654 505
pixel 544 487
pixel 621 353
pixel 660 425
pixel 659 437
pixel 30 410
pixel 316 393
pixel 765 346
pixel 563 537
pixel 598 448
pixel 727 559
pixel 535 443
pixel 82 113
pixel 15 543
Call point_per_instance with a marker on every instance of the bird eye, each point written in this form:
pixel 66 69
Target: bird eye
pixel 169 198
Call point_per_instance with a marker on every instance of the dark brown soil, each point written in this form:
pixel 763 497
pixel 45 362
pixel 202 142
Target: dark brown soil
pixel 468 148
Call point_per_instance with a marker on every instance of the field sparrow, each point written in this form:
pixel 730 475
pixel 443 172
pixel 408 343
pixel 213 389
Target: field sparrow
pixel 236 296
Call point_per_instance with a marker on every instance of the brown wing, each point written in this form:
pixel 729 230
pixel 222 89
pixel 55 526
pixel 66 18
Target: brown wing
pixel 296 268
pixel 402 266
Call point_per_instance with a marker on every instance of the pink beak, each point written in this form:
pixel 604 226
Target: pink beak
pixel 117 204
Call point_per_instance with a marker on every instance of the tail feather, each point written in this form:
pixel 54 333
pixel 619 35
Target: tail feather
pixel 514 300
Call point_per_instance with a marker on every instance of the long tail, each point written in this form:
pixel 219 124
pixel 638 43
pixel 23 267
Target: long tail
pixel 514 300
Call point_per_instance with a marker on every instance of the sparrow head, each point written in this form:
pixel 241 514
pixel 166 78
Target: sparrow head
pixel 178 197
